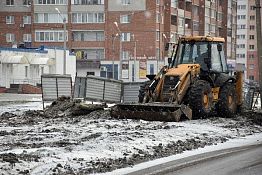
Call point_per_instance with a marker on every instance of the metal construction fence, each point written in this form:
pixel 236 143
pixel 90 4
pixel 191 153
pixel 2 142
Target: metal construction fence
pixel 54 86
pixel 108 90
pixel 130 91
pixel 102 89
pixel 89 88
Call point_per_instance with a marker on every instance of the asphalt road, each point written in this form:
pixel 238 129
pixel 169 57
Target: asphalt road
pixel 245 160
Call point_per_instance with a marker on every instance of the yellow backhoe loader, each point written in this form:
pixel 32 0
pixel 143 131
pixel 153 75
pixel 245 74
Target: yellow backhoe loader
pixel 195 84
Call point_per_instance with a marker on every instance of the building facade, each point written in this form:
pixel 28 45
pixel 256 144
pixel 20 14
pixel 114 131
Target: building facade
pixel 25 66
pixel 121 39
pixel 247 39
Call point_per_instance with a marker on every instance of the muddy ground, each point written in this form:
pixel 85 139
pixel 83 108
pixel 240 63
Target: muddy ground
pixel 69 138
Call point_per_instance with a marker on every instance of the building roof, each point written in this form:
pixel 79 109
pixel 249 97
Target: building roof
pixel 15 59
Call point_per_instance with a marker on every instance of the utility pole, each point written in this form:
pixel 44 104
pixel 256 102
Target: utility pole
pixel 113 61
pixel 64 48
pixel 259 46
pixel 120 50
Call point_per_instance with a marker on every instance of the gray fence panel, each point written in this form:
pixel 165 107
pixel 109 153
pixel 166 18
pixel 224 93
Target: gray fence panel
pixel 54 86
pixel 49 88
pixel 64 87
pixel 113 91
pixel 80 87
pixel 131 91
pixel 94 89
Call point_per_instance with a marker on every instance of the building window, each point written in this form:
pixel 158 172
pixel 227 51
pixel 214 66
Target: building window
pixel 251 37
pixel 158 17
pixel 91 54
pixel 26 19
pixel 195 26
pixel 219 16
pixel 251 66
pixel 173 20
pixel 26 71
pixel 252 27
pixel 126 2
pixel 9 2
pixel 174 3
pixel 252 17
pixel 242 46
pixel 64 2
pixel 181 22
pixel 88 18
pixel 251 56
pixel 125 18
pixel 241 7
pixel 157 53
pixel 50 36
pixel 241 36
pixel 151 66
pixel 213 13
pixel 241 55
pixel 251 77
pixel 252 7
pixel 241 26
pixel 88 2
pixel 157 35
pixel 251 47
pixel 10 37
pixel 49 18
pixel 125 55
pixel 26 2
pixel 195 10
pixel 241 16
pixel 10 19
pixel 125 37
pixel 27 37
pixel 88 35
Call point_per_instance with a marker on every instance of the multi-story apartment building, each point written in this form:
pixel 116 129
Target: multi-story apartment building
pixel 247 39
pixel 114 38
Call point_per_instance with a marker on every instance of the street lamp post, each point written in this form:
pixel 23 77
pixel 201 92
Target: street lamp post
pixel 120 50
pixel 113 61
pixel 134 79
pixel 64 48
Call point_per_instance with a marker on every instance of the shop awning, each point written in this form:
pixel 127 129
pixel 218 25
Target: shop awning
pixel 42 61
pixel 16 59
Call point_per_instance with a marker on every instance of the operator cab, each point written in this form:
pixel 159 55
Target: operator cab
pixel 206 51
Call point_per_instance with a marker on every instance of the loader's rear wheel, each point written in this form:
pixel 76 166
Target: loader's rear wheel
pixel 227 104
pixel 142 96
pixel 201 99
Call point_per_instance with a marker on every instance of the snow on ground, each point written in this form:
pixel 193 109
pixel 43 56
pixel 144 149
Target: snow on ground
pixel 18 103
pixel 96 143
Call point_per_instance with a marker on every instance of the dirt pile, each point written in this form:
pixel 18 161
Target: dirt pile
pixel 63 107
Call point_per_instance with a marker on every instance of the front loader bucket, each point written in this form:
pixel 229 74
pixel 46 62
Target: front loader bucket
pixel 151 111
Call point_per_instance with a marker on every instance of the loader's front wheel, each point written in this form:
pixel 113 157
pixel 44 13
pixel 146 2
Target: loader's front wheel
pixel 201 99
pixel 227 106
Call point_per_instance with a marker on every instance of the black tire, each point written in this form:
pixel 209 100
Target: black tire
pixel 200 99
pixel 227 103
pixel 142 92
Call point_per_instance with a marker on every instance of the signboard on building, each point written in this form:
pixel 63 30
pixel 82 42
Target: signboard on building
pixel 125 71
pixel 142 69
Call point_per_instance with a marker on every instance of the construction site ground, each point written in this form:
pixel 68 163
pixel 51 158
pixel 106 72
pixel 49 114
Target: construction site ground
pixel 62 140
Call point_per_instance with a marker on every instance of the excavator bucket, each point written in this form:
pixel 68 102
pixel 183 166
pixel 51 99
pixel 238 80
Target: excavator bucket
pixel 151 111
